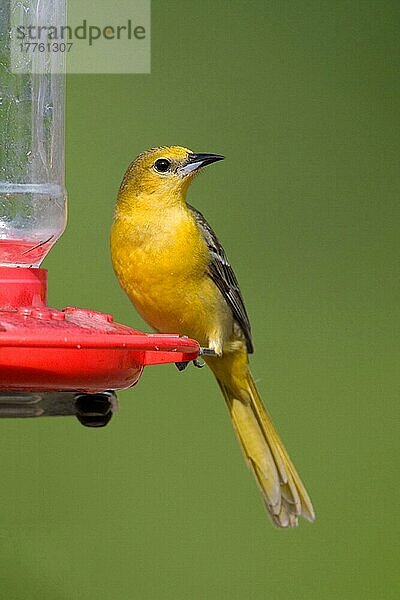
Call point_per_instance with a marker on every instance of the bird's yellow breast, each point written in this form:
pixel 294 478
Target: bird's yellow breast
pixel 161 260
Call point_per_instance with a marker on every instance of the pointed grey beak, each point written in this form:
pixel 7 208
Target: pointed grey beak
pixel 197 161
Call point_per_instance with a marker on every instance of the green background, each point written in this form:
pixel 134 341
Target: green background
pixel 302 98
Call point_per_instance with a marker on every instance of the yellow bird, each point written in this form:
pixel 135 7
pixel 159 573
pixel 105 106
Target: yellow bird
pixel 176 273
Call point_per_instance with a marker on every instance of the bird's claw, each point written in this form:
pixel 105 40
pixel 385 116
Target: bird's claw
pixel 199 363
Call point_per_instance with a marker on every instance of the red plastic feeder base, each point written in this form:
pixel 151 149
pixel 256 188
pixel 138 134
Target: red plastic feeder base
pixel 43 349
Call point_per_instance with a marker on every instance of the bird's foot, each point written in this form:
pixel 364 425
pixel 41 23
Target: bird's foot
pixel 198 362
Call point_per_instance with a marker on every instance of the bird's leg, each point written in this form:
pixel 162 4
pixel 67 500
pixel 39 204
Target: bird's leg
pixel 198 362
pixel 208 352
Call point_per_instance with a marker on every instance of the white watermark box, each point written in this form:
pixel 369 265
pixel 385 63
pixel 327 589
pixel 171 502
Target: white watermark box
pixel 97 36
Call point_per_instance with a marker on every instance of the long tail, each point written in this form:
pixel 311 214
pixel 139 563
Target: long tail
pixel 284 493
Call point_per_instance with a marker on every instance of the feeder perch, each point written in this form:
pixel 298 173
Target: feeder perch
pixel 52 362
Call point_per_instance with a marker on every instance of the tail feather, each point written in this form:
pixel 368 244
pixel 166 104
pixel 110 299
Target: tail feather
pixel 298 491
pixel 284 493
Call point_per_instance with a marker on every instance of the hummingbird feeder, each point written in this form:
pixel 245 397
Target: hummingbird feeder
pixel 52 362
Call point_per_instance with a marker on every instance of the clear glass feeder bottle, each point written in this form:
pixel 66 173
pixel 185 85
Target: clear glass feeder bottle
pixel 32 191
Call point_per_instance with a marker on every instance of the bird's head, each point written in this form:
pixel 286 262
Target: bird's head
pixel 165 171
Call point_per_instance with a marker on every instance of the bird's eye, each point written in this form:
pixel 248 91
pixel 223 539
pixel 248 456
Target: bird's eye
pixel 162 165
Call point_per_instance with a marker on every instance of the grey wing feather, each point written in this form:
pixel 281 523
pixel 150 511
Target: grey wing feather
pixel 224 278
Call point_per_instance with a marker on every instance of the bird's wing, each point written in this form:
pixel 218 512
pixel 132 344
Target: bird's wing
pixel 223 276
